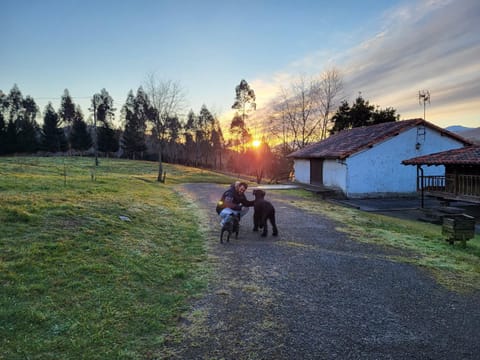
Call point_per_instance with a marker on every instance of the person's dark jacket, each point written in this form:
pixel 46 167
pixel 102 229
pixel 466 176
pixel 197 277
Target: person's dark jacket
pixel 233 199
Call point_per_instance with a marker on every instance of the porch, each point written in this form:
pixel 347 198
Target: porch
pixel 459 187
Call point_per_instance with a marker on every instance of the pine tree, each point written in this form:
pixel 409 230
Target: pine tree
pixel 206 122
pixel 102 106
pixel 108 141
pixel 67 109
pixel 360 114
pixel 80 138
pixel 135 112
pixel 3 124
pixel 28 129
pixel 341 119
pixel 189 134
pixel 53 137
pixel 19 114
pixel 217 141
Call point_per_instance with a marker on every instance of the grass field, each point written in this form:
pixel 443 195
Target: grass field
pixel 100 262
pixel 77 281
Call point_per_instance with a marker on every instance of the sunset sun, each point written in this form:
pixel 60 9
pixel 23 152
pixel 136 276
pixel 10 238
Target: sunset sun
pixel 256 143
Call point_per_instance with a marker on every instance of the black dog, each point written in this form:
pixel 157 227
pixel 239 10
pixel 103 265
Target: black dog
pixel 231 226
pixel 264 211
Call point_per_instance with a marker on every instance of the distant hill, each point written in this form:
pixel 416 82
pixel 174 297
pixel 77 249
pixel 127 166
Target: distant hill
pixel 472 134
pixel 457 128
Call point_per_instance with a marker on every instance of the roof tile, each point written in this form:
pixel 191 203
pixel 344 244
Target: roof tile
pixel 469 155
pixel 347 142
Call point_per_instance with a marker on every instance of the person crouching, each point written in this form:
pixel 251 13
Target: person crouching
pixel 235 202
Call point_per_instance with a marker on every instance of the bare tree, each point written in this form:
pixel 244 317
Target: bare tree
pixel 302 111
pixel 330 86
pixel 297 107
pixel 167 99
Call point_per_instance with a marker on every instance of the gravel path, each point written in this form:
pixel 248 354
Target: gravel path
pixel 313 293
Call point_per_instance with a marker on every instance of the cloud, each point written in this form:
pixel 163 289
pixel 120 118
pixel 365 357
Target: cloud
pixel 433 46
pixel 430 45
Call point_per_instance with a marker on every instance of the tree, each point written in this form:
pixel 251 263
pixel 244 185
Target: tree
pixel 108 139
pixel 329 88
pixel 128 142
pixel 384 115
pixel 244 103
pixel 244 99
pixel 203 137
pixel 341 119
pixel 14 104
pixel 189 134
pixel 11 140
pixel 206 125
pixel 3 124
pixel 173 129
pixel 103 114
pixel 27 136
pixel 240 132
pixel 135 112
pixel 299 111
pixel 217 141
pixel 302 111
pixel 67 109
pixel 66 112
pixel 167 100
pixel 19 114
pixel 361 114
pixel 28 128
pixel 105 109
pixel 53 137
pixel 79 137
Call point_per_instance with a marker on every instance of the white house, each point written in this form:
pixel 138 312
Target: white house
pixel 367 161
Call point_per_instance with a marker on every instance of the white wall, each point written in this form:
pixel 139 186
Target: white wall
pixel 301 168
pixel 378 170
pixel 335 174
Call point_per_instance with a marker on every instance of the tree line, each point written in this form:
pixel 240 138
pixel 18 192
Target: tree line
pixel 305 111
pixel 151 127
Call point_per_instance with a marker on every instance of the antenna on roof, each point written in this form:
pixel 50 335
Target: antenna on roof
pixel 424 96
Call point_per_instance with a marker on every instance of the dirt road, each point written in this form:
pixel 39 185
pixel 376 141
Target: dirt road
pixel 314 293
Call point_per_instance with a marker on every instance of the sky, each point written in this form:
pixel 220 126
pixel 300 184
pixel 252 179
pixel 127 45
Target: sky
pixel 387 51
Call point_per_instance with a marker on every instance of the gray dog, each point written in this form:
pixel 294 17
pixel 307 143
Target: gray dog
pixel 231 226
pixel 264 211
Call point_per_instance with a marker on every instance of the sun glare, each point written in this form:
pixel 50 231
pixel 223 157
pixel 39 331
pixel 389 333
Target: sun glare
pixel 256 143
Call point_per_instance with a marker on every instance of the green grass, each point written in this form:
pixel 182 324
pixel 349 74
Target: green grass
pixel 77 281
pixel 420 243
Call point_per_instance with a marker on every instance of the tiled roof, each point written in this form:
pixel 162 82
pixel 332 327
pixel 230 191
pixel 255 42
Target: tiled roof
pixel 469 155
pixel 347 142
